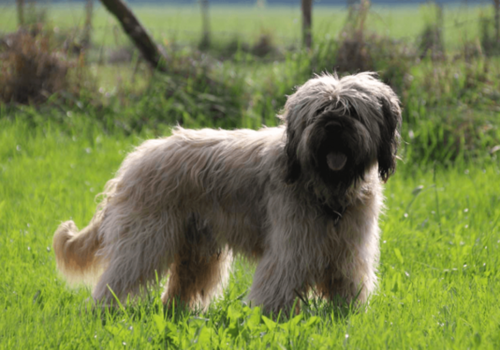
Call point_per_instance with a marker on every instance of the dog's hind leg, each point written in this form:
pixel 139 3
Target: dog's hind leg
pixel 200 268
pixel 195 278
pixel 137 250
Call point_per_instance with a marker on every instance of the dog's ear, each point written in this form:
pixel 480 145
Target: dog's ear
pixel 292 161
pixel 389 136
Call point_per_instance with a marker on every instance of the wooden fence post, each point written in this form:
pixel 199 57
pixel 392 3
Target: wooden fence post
pixel 20 13
pixel 440 21
pixel 307 23
pixel 497 20
pixel 89 6
pixel 205 20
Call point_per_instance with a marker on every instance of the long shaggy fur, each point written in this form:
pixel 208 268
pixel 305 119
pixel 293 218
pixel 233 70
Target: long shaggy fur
pixel 302 199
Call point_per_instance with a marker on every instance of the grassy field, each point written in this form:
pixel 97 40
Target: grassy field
pixel 183 23
pixel 440 247
pixel 439 276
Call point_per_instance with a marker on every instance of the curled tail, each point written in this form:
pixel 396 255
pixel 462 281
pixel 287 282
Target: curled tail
pixel 76 251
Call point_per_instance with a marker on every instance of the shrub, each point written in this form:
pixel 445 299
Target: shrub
pixel 451 110
pixel 30 70
pixel 353 53
pixel 264 46
pixel 490 45
pixel 359 50
pixel 430 42
pixel 193 92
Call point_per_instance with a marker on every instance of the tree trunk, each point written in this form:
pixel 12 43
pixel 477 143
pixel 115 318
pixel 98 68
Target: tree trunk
pixel 306 23
pixel 88 23
pixel 497 20
pixel 205 20
pixel 20 13
pixel 439 35
pixel 137 33
pixel 439 14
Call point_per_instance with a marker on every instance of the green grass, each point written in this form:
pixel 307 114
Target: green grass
pixel 183 23
pixel 439 276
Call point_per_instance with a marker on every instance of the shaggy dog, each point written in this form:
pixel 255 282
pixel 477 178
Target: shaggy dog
pixel 302 199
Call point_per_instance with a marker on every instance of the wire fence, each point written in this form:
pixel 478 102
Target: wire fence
pixel 74 15
pixel 179 25
pixel 108 36
pixel 167 25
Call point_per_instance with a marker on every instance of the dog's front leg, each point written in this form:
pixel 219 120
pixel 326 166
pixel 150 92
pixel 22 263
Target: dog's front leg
pixel 278 280
pixel 350 276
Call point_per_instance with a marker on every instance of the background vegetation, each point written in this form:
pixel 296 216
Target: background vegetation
pixel 71 110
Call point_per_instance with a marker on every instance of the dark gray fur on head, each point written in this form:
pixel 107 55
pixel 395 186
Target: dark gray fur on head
pixel 339 128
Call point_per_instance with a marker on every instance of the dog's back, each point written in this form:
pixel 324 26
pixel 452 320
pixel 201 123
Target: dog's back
pixel 217 177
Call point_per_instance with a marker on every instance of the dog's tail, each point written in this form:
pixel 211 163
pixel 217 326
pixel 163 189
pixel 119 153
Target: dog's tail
pixel 76 251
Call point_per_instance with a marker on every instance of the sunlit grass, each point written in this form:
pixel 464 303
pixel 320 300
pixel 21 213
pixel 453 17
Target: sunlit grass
pixel 439 276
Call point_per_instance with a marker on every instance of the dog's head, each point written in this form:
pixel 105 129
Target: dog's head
pixel 340 128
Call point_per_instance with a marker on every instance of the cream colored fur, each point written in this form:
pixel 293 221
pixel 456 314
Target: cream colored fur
pixel 185 204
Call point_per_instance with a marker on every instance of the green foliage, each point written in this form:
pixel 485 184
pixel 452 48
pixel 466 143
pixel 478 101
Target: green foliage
pixel 34 14
pixel 182 24
pixel 488 38
pixel 438 272
pixel 192 91
pixel 451 111
pixel 450 105
pixel 431 39
pixel 440 241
